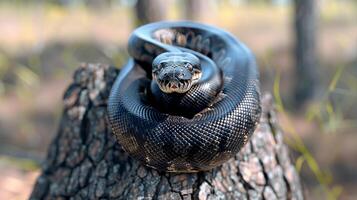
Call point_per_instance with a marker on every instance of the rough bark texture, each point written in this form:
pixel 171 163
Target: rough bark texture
pixel 85 162
pixel 307 76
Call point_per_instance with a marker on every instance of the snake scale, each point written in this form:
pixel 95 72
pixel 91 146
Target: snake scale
pixel 188 99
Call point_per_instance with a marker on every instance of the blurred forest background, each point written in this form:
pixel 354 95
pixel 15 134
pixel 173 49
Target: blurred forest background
pixel 306 50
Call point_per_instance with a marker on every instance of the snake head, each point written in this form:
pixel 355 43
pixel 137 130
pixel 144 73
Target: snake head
pixel 176 71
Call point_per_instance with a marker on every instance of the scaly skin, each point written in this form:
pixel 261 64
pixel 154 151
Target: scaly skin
pixel 206 125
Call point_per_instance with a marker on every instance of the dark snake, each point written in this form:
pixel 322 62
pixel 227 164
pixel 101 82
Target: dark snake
pixel 185 130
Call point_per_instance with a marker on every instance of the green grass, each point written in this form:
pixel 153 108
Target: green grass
pixel 294 140
pixel 20 163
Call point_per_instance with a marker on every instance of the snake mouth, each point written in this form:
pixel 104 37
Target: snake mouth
pixel 175 86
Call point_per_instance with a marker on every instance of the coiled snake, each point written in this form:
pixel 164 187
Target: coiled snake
pixel 187 100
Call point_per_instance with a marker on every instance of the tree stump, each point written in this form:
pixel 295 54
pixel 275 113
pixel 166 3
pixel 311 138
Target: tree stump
pixel 85 161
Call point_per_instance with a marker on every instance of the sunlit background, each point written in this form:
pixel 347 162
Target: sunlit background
pixel 43 42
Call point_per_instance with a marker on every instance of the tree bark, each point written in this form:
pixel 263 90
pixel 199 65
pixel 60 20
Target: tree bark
pixel 85 162
pixel 305 51
pixel 148 11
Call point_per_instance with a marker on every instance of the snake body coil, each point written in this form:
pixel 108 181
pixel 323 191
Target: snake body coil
pixel 200 128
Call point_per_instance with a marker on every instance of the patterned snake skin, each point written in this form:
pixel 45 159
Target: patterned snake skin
pixel 176 143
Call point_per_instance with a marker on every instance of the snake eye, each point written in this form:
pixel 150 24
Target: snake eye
pixel 189 66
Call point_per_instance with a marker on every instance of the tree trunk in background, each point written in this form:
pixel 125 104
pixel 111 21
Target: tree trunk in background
pixel 305 51
pixel 85 161
pixel 147 11
pixel 192 9
pixel 95 4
